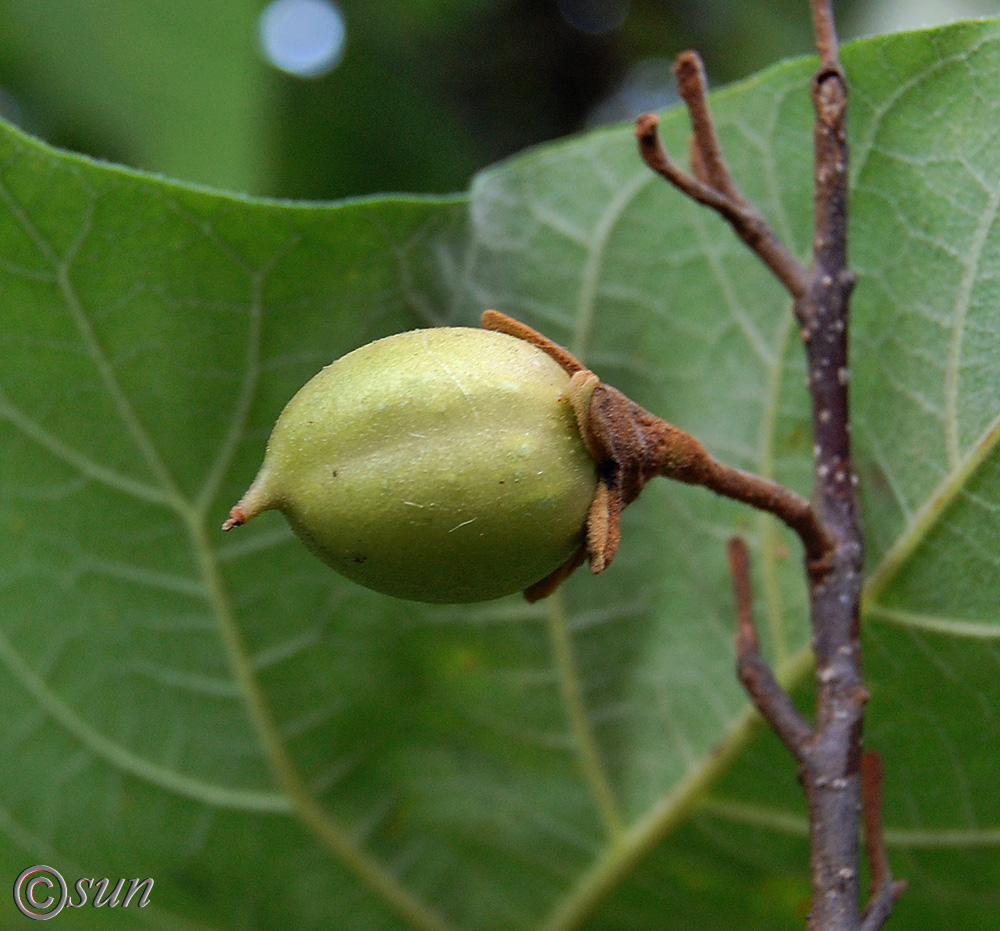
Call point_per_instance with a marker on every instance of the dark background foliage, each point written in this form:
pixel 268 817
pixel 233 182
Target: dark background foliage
pixel 426 93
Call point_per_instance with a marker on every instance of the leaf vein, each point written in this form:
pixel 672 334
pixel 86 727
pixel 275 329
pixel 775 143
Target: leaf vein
pixel 125 760
pixel 927 517
pixel 960 311
pixel 78 461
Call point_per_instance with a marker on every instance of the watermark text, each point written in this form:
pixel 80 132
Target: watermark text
pixel 40 892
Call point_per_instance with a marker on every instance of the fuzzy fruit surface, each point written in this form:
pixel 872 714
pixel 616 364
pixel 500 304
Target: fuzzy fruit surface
pixel 438 465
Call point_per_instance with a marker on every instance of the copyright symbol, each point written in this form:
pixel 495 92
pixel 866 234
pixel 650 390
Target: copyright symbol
pixel 32 901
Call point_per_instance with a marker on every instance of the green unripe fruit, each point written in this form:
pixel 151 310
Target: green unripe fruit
pixel 439 465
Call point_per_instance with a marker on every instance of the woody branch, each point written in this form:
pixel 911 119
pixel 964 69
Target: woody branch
pixel 839 780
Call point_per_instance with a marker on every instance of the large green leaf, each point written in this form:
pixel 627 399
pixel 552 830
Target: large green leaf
pixel 279 748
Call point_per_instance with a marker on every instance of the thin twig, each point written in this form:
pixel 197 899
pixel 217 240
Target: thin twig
pixel 747 222
pixel 825 31
pixel 693 88
pixel 765 495
pixel 754 672
pixel 871 810
pixel 655 156
pixel 884 891
pixel 878 910
pixel 665 449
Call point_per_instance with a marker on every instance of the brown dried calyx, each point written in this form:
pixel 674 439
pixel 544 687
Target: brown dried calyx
pixel 629 445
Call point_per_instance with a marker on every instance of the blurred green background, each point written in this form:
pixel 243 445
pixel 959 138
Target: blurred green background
pixel 390 95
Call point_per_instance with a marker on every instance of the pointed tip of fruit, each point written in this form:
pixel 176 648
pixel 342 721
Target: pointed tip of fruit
pixel 236 518
pixel 254 500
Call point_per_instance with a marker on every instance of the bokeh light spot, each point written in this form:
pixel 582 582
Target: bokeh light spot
pixel 302 37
